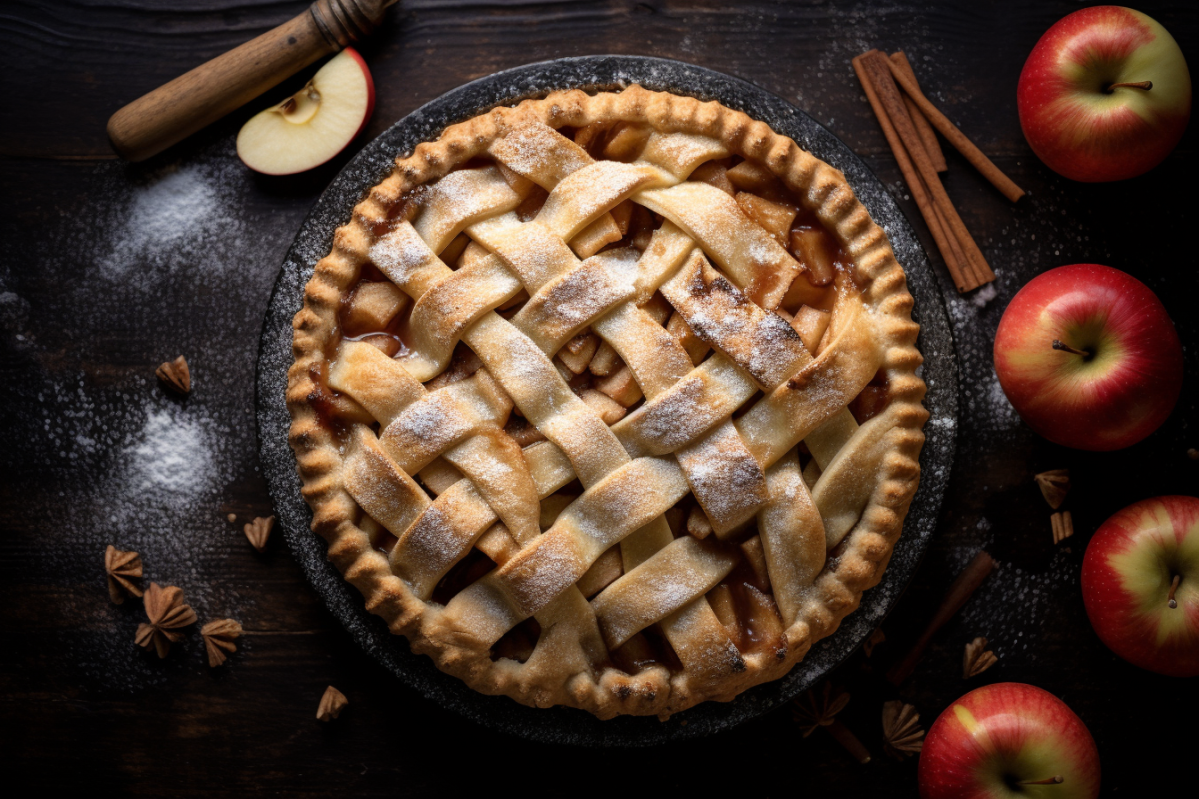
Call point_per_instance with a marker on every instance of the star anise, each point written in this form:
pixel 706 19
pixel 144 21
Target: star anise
pixel 902 734
pixel 168 614
pixel 175 375
pixel 218 639
pixel 122 568
pixel 259 530
pixel 1063 526
pixel 1054 485
pixel 332 703
pixel 977 658
pixel 814 710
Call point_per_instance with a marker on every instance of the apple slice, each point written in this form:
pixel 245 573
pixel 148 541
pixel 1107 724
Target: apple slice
pixel 810 323
pixel 314 124
pixel 775 218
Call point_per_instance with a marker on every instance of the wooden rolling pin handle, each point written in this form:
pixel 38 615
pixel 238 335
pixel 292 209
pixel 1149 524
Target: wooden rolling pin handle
pixel 192 101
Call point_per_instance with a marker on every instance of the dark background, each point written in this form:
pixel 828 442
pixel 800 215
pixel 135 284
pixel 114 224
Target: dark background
pixel 108 269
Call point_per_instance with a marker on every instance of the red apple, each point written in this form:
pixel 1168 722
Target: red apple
pixel 1008 740
pixel 314 124
pixel 1140 583
pixel 1088 357
pixel 1104 95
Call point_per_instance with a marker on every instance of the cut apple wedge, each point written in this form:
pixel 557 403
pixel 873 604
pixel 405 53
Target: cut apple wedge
pixel 314 124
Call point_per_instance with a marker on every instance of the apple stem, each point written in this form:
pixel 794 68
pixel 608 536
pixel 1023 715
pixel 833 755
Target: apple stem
pixel 1057 345
pixel 1170 600
pixel 1144 84
pixel 1054 780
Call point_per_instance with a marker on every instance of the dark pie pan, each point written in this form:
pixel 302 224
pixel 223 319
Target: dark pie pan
pixel 566 725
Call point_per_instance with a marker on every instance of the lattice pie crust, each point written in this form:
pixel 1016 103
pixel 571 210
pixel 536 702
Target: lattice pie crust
pixel 576 401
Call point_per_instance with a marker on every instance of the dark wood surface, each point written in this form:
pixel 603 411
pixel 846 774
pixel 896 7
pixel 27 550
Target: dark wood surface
pixel 108 269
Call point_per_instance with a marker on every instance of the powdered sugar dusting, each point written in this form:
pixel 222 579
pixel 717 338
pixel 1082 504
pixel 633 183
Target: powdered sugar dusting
pixel 173 219
pixel 401 253
pixel 172 454
pixel 159 473
pixel 161 256
pixel 984 295
pixel 1011 608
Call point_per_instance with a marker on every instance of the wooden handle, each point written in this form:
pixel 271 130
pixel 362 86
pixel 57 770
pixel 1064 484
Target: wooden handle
pixel 192 101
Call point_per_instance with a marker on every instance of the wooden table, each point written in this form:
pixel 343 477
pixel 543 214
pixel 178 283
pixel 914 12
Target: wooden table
pixel 109 269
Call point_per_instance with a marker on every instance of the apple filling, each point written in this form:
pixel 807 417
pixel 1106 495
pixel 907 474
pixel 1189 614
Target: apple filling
pixel 375 311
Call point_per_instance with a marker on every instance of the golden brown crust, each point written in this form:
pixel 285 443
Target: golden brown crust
pixel 855 565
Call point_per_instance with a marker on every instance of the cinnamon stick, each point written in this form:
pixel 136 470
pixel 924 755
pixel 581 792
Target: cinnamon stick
pixel 927 134
pixel 950 251
pixel 954 245
pixel 846 738
pixel 955 137
pixel 963 587
pixel 878 66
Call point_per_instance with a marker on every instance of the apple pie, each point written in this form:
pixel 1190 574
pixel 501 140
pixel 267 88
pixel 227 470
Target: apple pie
pixel 609 401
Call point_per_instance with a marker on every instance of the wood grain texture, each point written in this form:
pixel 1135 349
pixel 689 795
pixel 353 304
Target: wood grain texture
pixel 89 306
pixel 201 96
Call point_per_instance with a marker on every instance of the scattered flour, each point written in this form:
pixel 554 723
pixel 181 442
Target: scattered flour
pixel 1011 608
pixel 984 295
pixel 173 220
pixel 164 258
pixel 173 454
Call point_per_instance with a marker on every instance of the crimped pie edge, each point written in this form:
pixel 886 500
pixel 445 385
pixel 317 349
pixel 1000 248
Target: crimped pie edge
pixel 861 558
